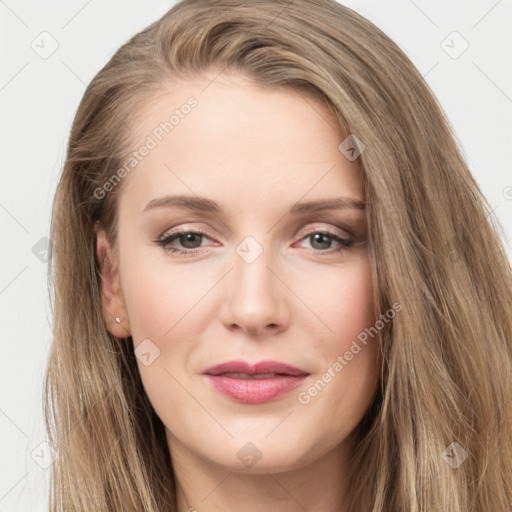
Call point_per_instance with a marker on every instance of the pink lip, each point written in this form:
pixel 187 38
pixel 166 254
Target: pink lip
pixel 261 367
pixel 254 391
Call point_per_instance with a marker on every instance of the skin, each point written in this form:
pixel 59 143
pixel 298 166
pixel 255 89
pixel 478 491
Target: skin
pixel 255 151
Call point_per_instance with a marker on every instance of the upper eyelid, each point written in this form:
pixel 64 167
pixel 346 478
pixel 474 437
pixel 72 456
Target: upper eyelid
pixel 179 231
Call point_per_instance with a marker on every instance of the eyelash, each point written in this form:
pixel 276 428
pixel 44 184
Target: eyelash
pixel 164 242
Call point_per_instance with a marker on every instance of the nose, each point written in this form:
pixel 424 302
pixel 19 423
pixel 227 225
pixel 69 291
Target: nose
pixel 256 298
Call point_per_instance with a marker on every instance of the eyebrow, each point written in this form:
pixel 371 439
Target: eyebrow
pixel 207 205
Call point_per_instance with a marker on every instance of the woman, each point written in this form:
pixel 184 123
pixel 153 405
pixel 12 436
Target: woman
pixel 277 285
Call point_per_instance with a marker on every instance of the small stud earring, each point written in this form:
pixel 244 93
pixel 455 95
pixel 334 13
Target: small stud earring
pixel 119 319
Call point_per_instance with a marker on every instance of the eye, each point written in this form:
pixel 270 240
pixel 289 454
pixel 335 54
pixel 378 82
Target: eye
pixel 190 241
pixel 321 242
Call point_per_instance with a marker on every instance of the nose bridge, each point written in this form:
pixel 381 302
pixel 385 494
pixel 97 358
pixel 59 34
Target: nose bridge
pixel 251 266
pixel 255 295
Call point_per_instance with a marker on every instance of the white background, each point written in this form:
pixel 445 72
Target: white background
pixel 38 99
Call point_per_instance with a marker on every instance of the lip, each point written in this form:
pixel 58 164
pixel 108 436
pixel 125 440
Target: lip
pixel 254 369
pixel 255 390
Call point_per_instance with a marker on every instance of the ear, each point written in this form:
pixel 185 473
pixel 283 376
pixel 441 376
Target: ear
pixel 114 309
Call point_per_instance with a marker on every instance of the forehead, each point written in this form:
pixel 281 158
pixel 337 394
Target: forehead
pixel 238 141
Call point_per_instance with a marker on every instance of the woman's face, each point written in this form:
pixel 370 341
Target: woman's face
pixel 263 275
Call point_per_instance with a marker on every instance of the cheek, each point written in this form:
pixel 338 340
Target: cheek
pixel 157 298
pixel 343 302
pixel 155 293
pixel 346 383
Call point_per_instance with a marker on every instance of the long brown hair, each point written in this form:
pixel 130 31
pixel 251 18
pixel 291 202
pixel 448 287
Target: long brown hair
pixel 434 244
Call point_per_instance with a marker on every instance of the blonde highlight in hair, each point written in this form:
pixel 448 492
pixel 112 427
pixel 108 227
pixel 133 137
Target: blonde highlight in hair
pixel 434 244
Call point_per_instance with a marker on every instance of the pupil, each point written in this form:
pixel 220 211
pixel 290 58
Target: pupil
pixel 318 238
pixel 189 238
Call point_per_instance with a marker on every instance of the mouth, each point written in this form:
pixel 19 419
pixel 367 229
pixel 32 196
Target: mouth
pixel 263 368
pixel 254 384
pixel 233 375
